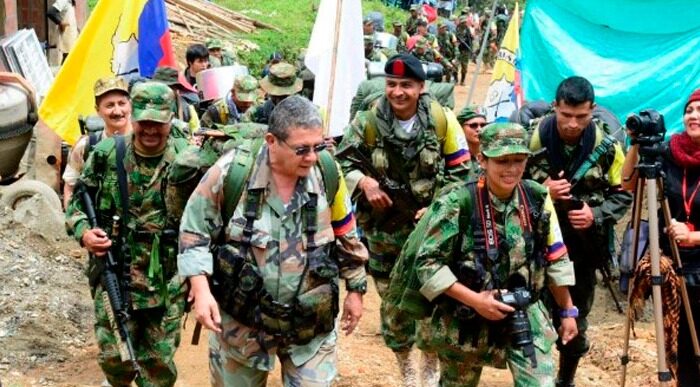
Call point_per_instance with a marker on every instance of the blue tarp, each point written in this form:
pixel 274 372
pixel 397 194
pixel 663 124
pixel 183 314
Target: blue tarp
pixel 638 54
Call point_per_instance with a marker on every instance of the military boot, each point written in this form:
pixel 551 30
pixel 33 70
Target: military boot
pixel 429 369
pixel 567 371
pixel 407 369
pixel 461 82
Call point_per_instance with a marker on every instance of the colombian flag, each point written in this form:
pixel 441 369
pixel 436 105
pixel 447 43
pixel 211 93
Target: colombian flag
pixel 505 94
pixel 123 38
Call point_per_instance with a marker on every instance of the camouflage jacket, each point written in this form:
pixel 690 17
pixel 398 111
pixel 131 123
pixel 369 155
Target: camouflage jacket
pixel 412 23
pixel 401 42
pixel 420 160
pixel 600 187
pixel 447 43
pixel 278 247
pixel 259 114
pixel 465 41
pixel 447 241
pixel 153 252
pixel 227 59
pixel 221 112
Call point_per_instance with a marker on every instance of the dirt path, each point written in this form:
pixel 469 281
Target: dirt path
pixel 363 360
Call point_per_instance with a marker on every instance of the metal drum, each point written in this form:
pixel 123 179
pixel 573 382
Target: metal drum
pixel 215 83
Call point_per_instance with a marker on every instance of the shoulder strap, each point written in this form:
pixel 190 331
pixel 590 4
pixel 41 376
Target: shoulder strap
pixel 440 119
pixel 602 148
pixel 329 171
pixel 121 177
pixel 237 175
pixel 371 128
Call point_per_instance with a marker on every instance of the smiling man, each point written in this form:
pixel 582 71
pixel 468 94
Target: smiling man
pixel 114 107
pixel 412 141
pixel 126 177
pixel 587 195
pixel 283 247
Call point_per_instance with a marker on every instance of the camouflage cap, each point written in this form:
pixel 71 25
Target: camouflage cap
pixel 282 80
pixel 397 24
pixel 214 43
pixel 414 7
pixel 152 101
pixel 503 138
pixel 441 23
pixel 422 42
pixel 246 87
pixel 173 78
pixel 107 84
pixel 469 112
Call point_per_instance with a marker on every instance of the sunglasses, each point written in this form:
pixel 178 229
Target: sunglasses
pixel 306 149
pixel 477 125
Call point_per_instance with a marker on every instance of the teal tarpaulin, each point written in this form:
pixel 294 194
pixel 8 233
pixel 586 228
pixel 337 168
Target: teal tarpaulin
pixel 638 54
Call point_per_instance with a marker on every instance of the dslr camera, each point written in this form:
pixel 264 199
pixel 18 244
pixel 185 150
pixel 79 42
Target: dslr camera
pixel 518 322
pixel 647 128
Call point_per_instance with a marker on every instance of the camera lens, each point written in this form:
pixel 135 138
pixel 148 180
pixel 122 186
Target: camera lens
pixel 634 123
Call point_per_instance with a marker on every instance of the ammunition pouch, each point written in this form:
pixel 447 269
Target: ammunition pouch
pixel 239 290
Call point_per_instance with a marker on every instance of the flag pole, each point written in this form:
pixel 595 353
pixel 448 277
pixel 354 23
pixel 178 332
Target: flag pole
pixel 480 57
pixel 334 60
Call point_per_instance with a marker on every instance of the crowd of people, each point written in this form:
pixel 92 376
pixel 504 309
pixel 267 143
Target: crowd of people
pixel 481 238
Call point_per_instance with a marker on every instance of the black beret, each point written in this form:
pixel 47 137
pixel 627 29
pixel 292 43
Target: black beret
pixel 404 66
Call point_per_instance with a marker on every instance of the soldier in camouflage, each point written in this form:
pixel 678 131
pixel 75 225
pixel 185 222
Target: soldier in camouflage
pixel 447 45
pixel 156 292
pixel 185 94
pixel 465 44
pixel 372 53
pixel 424 52
pixel 228 110
pixel 473 120
pixel 422 30
pixel 571 136
pixel 465 275
pixel 418 144
pixel 292 241
pixel 413 19
pixel 218 56
pixel 280 83
pixel 401 37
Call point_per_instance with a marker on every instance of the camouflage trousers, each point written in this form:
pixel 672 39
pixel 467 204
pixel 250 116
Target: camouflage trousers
pixel 463 61
pixel 461 365
pixel 384 248
pixel 155 334
pixel 319 371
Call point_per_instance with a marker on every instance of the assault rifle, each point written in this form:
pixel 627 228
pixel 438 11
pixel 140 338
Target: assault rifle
pixel 563 207
pixel 115 305
pixel 403 210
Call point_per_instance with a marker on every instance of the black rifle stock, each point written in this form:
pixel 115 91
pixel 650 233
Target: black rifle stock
pixel 116 308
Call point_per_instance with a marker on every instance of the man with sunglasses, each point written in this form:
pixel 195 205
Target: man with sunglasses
pixel 588 198
pixel 409 139
pixel 285 247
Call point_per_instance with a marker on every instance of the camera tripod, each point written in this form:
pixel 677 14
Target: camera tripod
pixel 650 177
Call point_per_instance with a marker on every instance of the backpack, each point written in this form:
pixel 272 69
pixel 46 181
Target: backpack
pixel 436 113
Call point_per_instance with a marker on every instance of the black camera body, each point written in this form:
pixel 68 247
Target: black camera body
pixel 647 127
pixel 519 324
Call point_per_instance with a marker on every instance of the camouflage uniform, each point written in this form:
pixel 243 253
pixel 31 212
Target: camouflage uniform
pixel 243 355
pixel 446 249
pixel 429 54
pixel 467 113
pixel 375 54
pixel 601 189
pixel 225 111
pixel 185 97
pixel 412 23
pixel 447 43
pixel 402 39
pixel 156 292
pixel 226 58
pixel 281 81
pixel 437 163
pixel 466 47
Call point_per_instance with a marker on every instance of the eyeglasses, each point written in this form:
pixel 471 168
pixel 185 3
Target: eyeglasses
pixel 306 149
pixel 476 125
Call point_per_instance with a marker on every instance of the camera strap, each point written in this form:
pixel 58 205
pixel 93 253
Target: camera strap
pixel 487 222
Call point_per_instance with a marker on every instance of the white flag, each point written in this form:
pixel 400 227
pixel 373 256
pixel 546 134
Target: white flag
pixel 349 59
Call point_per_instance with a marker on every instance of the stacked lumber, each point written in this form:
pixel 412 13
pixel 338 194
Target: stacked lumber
pixel 196 21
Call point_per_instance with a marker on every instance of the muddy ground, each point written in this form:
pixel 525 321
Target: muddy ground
pixel 46 321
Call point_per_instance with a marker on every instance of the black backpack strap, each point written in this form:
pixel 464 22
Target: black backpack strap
pixel 121 177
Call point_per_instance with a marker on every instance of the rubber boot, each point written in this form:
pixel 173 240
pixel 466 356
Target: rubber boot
pixel 567 371
pixel 407 369
pixel 464 75
pixel 429 369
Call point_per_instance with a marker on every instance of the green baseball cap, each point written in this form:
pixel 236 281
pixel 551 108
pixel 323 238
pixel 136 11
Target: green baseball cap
pixel 282 80
pixel 422 42
pixel 152 101
pixel 246 87
pixel 107 84
pixel 397 24
pixel 214 43
pixel 503 138
pixel 469 112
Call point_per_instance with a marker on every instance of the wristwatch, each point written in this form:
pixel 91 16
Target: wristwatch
pixel 571 312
